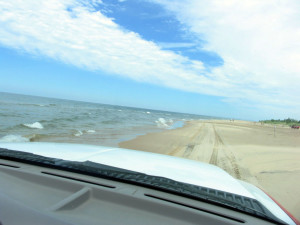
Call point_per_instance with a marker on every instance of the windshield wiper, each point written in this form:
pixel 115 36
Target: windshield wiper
pixel 224 199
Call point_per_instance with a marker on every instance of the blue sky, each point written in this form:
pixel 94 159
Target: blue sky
pixel 202 57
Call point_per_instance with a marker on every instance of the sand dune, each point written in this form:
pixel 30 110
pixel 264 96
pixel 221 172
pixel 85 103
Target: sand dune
pixel 265 156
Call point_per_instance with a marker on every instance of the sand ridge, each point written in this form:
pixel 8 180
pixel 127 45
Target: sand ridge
pixel 264 155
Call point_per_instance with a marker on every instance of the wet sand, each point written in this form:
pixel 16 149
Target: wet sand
pixel 248 151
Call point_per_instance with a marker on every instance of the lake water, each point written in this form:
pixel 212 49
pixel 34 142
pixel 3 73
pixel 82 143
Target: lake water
pixel 26 118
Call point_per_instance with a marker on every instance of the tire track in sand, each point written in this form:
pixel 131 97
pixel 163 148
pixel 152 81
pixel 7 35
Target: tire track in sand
pixel 187 150
pixel 206 145
pixel 218 142
pixel 228 161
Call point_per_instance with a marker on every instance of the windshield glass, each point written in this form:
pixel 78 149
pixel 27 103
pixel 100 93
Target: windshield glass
pixel 210 81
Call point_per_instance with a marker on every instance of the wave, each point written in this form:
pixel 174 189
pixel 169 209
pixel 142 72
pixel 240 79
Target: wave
pixel 38 105
pixel 14 138
pixel 163 123
pixel 54 121
pixel 110 122
pixel 78 133
pixel 6 115
pixel 91 131
pixel 35 125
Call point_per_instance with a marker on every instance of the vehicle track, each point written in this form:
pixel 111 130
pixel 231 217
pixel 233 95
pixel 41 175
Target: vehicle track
pixel 206 145
pixel 217 143
pixel 224 159
pixel 187 150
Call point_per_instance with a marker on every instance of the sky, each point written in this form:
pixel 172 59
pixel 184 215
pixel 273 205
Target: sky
pixel 234 59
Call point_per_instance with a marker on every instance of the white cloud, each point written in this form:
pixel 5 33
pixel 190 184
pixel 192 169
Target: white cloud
pixel 258 41
pixel 73 33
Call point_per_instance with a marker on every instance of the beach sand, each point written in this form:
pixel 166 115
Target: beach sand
pixel 249 151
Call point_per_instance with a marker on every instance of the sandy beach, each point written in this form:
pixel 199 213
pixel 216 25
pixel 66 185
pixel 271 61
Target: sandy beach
pixel 259 154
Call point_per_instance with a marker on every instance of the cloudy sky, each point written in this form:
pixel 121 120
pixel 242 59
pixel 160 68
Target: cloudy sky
pixel 232 58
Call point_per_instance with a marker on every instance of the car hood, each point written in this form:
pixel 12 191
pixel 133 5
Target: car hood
pixel 179 169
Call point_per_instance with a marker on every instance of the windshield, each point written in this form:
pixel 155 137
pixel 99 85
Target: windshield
pixel 210 81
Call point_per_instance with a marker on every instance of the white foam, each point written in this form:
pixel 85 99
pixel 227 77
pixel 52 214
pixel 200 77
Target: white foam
pixel 35 125
pixel 162 123
pixel 14 138
pixel 90 131
pixel 148 112
pixel 78 133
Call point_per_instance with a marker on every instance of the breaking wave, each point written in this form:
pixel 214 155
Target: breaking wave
pixel 163 123
pixel 35 125
pixel 14 138
pixel 78 133
pixel 90 131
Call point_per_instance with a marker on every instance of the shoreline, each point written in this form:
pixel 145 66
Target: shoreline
pixel 250 151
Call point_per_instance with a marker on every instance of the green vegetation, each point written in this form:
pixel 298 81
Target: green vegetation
pixel 289 122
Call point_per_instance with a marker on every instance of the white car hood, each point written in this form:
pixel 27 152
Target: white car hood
pixel 179 169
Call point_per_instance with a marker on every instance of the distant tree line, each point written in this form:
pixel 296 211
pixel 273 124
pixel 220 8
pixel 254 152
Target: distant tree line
pixel 287 121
